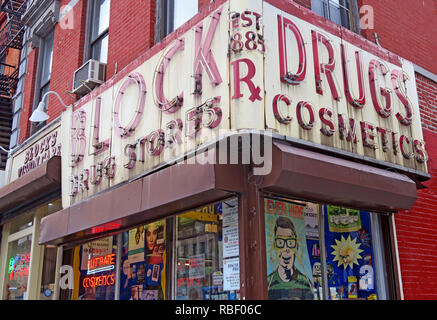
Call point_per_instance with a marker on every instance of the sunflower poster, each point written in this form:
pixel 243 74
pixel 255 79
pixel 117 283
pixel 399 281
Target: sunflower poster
pixel 350 255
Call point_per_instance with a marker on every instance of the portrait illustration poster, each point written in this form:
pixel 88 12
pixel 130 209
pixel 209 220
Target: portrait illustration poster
pixel 289 271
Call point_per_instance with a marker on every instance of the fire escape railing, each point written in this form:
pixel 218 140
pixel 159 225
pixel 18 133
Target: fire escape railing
pixel 11 36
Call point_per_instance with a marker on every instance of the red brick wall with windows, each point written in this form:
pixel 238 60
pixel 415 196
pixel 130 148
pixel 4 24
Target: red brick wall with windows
pixel 131 32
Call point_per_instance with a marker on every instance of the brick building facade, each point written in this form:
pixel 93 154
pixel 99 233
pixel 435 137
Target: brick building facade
pixel 408 30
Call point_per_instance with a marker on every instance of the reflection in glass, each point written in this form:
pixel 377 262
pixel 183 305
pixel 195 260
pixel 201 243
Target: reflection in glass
pixel 18 268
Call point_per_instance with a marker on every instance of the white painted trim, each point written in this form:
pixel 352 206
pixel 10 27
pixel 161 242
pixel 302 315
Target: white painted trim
pixel 3 259
pixel 425 73
pixel 21 234
pixel 396 256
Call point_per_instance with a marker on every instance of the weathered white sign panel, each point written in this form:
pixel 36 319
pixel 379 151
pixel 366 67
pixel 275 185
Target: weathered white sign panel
pixel 247 65
pixel 39 149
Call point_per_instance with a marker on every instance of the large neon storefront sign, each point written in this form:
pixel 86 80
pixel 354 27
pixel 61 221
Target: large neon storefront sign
pixel 289 75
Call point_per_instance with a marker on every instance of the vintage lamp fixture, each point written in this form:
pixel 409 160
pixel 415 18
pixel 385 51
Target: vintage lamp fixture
pixel 40 115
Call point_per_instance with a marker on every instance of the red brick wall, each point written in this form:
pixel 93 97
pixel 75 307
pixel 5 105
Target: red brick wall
pixel 408 30
pixel 427 91
pixel 131 32
pixel 417 228
pixel 68 46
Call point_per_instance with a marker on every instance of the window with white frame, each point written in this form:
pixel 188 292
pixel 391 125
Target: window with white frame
pixel 44 73
pixel 98 45
pixel 46 66
pixel 171 14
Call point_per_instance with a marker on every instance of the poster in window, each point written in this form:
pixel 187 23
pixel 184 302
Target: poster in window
pixel 289 271
pixel 343 220
pixel 230 242
pixel 136 244
pixel 230 212
pixel 155 257
pixel 311 213
pixel 143 275
pixel 350 258
pixel 231 274
pixel 97 248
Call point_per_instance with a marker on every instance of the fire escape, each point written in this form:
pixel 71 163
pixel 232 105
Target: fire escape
pixel 11 42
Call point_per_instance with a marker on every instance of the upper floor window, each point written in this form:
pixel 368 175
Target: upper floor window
pixel 171 14
pixel 46 63
pixel 181 12
pixel 44 71
pixel 342 12
pixel 99 30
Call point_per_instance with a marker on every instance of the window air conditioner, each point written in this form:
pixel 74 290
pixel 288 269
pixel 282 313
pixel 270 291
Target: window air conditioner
pixel 90 75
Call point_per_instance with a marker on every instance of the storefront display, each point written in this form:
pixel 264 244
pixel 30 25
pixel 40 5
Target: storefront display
pixel 202 264
pixel 208 253
pixel 144 261
pixel 18 269
pixel 296 268
pixel 288 264
pixel 350 253
pixel 20 253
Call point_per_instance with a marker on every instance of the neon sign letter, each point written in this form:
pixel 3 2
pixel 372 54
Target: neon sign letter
pixel 133 78
pixel 286 76
pixel 382 111
pixel 254 91
pixel 357 103
pixel 163 104
pixel 326 68
pixel 204 57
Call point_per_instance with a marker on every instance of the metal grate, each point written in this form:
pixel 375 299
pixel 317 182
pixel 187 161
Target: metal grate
pixel 11 36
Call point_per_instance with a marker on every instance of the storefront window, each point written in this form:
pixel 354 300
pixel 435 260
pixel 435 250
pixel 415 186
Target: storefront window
pixel 94 267
pixel 194 255
pixel 18 268
pixel 207 253
pixel 21 253
pixel 318 252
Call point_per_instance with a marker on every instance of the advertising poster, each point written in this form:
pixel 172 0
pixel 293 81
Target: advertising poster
pixel 230 242
pixel 350 256
pixel 311 213
pixel 143 276
pixel 136 244
pixel 231 274
pixel 343 220
pixel 230 212
pixel 289 271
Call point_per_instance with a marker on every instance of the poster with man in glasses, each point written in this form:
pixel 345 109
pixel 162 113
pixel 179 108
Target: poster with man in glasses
pixel 288 265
